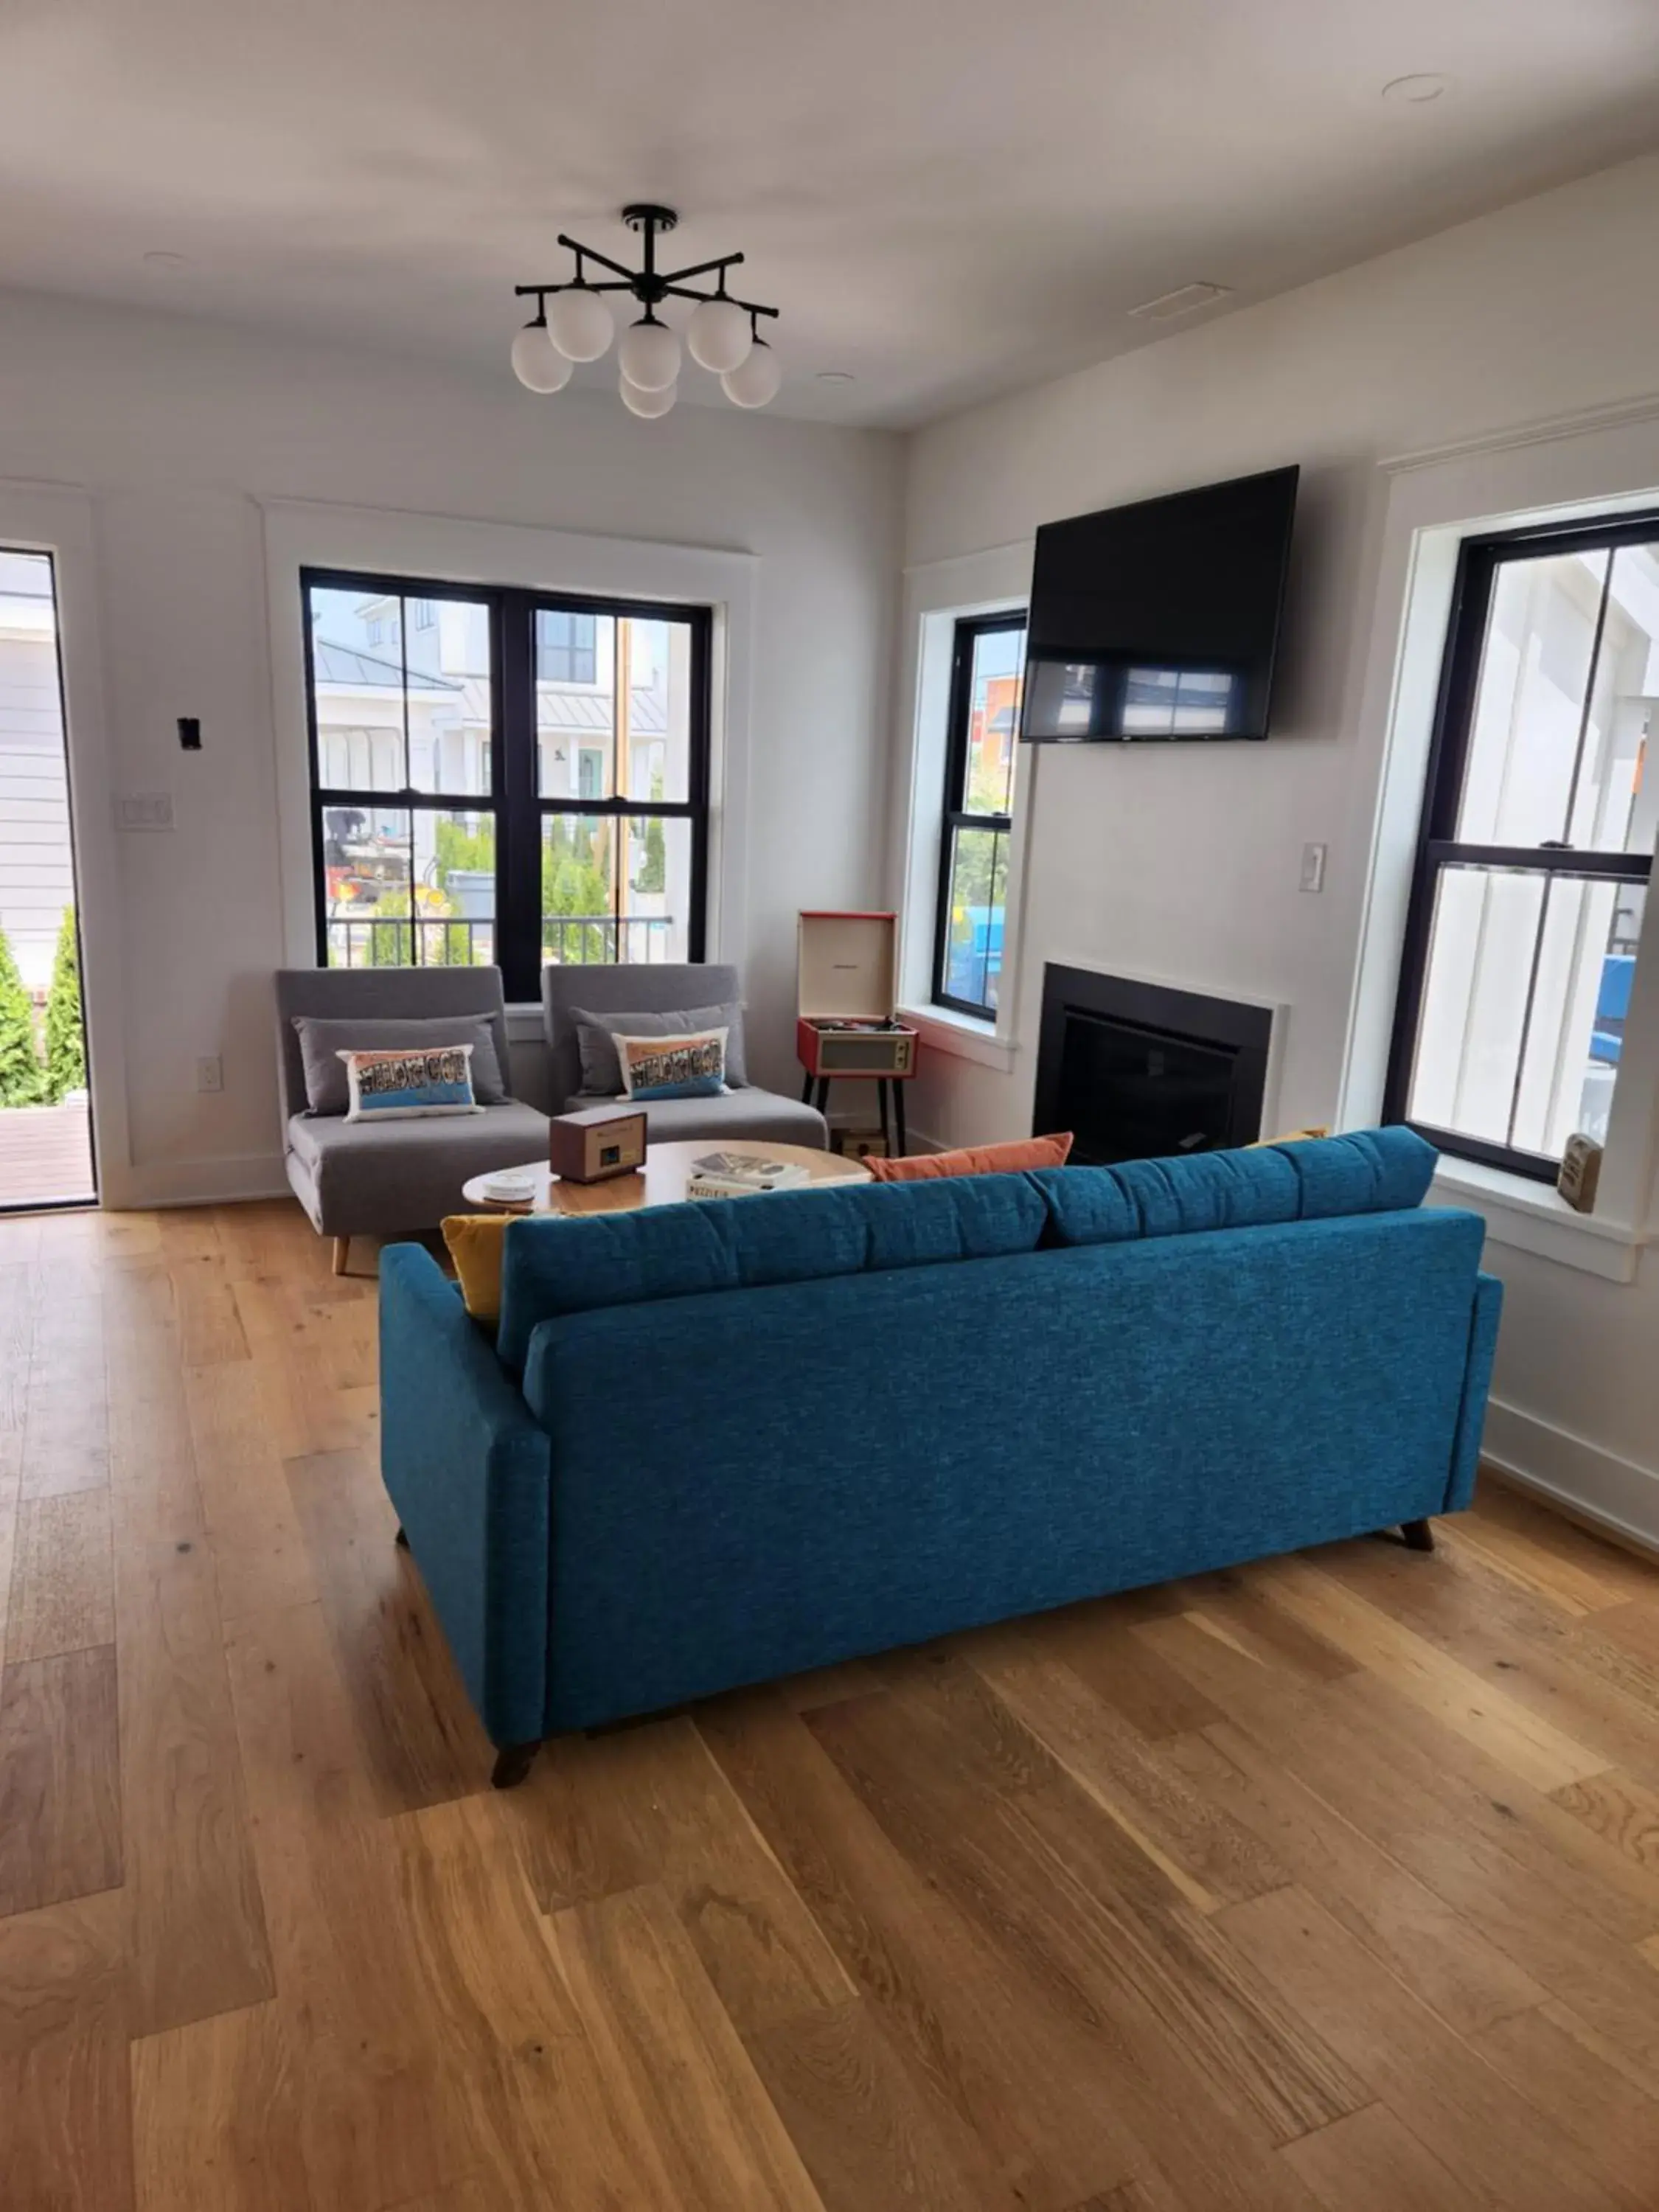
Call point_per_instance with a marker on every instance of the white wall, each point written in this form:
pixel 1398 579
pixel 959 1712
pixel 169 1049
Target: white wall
pixel 1182 862
pixel 177 428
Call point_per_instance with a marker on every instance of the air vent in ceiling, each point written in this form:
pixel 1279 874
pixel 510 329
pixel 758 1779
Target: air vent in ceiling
pixel 1184 301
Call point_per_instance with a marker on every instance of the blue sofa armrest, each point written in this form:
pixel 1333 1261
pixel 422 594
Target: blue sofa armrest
pixel 469 1471
pixel 1477 1383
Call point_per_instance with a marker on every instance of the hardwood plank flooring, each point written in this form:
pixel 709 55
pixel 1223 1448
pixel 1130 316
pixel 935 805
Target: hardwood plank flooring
pixel 60 1779
pixel 1327 1882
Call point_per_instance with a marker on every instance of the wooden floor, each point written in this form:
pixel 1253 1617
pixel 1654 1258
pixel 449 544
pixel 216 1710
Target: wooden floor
pixel 1333 1882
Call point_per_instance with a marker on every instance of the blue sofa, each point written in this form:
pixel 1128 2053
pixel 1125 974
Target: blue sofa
pixel 715 1444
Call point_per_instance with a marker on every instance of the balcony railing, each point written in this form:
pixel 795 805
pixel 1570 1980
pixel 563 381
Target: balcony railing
pixel 568 940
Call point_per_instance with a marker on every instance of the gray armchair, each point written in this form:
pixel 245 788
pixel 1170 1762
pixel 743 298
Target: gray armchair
pixel 651 989
pixel 354 1179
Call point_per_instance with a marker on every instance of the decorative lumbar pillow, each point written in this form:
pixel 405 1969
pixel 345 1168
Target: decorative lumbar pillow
pixel 596 1035
pixel 976 1159
pixel 395 1086
pixel 673 1066
pixel 475 1245
pixel 322 1040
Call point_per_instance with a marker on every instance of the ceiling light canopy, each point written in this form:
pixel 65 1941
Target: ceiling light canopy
pixel 1416 91
pixel 573 323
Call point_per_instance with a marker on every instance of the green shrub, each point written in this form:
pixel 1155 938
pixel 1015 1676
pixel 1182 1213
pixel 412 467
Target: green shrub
pixel 66 1042
pixel 22 1079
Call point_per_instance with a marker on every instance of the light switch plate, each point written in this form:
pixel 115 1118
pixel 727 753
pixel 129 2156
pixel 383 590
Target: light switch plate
pixel 1313 868
pixel 144 810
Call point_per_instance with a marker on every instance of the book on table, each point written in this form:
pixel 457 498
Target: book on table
pixel 738 1175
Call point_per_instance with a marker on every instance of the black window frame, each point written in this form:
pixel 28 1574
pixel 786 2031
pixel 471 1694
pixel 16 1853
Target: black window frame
pixel 969 628
pixel 515 798
pixel 1438 848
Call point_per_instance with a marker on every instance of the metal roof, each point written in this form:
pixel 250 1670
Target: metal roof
pixel 343 664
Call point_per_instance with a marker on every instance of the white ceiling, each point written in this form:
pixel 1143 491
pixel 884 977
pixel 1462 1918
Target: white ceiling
pixel 946 198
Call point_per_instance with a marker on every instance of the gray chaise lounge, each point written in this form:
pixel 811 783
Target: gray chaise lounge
pixel 651 989
pixel 355 1180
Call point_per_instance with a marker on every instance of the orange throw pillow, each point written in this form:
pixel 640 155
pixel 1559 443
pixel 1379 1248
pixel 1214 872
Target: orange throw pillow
pixel 976 1159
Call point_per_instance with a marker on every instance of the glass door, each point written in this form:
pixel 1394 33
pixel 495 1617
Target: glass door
pixel 46 1155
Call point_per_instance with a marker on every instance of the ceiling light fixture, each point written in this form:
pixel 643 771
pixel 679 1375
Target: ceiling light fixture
pixel 722 334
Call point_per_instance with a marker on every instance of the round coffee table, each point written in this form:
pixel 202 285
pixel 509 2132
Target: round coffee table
pixel 662 1183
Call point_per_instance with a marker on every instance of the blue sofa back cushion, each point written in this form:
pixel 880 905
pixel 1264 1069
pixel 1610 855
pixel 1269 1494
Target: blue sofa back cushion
pixel 552 1267
pixel 1370 1171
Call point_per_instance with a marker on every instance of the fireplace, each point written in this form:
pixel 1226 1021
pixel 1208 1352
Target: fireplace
pixel 1138 1071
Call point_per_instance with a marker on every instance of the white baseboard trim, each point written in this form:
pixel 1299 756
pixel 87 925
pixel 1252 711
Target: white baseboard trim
pixel 217 1181
pixel 1572 1472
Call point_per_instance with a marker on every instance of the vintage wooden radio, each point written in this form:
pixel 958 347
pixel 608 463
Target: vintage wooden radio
pixel 595 1143
pixel 847 989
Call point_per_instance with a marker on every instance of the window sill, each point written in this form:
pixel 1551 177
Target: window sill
pixel 524 1023
pixel 1530 1217
pixel 961 1036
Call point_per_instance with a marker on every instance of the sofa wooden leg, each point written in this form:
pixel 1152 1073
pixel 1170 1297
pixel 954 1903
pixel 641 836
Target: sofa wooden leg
pixel 401 1540
pixel 1419 1535
pixel 512 1762
pixel 341 1253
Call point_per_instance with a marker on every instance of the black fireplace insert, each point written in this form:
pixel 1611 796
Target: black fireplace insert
pixel 1138 1070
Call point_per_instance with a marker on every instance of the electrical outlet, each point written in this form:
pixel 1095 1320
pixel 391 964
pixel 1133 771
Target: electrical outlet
pixel 1313 868
pixel 211 1073
pixel 144 810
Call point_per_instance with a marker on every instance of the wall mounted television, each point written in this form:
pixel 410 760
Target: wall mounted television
pixel 1160 621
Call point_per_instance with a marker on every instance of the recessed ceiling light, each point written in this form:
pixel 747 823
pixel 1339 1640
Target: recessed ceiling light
pixel 1185 299
pixel 167 260
pixel 837 376
pixel 1415 91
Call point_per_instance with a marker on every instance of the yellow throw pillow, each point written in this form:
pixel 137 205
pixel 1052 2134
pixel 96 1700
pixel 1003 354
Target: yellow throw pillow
pixel 475 1246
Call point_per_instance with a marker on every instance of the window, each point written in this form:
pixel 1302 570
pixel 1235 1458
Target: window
pixel 1536 845
pixel 473 808
pixel 566 645
pixel 985 676
pixel 423 614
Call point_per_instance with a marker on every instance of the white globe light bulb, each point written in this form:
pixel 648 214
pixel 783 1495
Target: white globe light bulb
pixel 755 378
pixel 719 335
pixel 579 324
pixel 649 357
pixel 650 404
pixel 535 363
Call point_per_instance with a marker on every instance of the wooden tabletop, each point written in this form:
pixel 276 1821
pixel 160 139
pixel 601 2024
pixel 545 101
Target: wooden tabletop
pixel 663 1182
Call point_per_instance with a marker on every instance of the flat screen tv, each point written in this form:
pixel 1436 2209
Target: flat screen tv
pixel 1160 621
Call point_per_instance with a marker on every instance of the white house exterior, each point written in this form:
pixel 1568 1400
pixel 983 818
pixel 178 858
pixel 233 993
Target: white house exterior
pixel 37 877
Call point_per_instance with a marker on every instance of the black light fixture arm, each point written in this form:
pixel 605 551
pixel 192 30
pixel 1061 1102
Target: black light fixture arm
pixel 648 285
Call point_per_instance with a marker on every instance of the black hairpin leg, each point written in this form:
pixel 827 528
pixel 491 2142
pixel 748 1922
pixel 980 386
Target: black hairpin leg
pixel 1418 1535
pixel 824 1094
pixel 881 1100
pixel 512 1762
pixel 898 1116
pixel 806 1089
